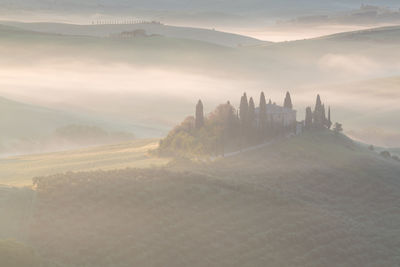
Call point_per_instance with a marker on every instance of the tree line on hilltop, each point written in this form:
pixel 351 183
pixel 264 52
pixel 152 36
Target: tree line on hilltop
pixel 318 118
pixel 224 129
pixel 229 129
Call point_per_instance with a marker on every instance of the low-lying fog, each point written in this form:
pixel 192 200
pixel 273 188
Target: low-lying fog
pixel 165 96
pixel 157 80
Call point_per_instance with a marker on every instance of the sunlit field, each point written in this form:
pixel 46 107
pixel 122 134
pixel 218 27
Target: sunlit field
pixel 19 170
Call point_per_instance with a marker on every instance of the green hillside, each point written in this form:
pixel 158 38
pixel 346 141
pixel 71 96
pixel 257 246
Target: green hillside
pixel 314 200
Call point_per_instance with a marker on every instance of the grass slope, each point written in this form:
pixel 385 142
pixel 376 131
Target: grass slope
pixel 19 170
pixel 16 208
pixel 314 200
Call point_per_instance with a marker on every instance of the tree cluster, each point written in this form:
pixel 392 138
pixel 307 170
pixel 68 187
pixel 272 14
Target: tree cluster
pixel 223 129
pixel 202 134
pixel 317 119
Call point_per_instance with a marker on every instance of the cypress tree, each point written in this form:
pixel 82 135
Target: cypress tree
pixel 329 123
pixel 243 112
pixel 252 113
pixel 199 121
pixel 262 116
pixel 318 103
pixel 318 113
pixel 288 101
pixel 324 120
pixel 309 119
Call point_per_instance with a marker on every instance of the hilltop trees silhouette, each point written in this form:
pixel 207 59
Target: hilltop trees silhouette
pixel 229 129
pixel 317 119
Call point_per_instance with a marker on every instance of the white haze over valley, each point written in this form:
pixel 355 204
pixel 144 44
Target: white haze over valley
pixel 158 95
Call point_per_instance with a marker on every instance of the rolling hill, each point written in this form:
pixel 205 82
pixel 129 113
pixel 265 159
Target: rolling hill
pixel 30 128
pixel 381 34
pixel 20 120
pixel 314 66
pixel 314 200
pixel 198 34
pixel 143 51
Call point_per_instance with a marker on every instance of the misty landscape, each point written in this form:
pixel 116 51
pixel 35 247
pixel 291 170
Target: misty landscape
pixel 199 133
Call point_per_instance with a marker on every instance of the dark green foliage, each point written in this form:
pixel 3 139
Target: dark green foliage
pixel 220 130
pixel 199 115
pixel 288 101
pixel 309 118
pixel 181 140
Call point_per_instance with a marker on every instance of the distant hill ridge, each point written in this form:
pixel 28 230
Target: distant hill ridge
pixel 106 30
pixel 380 33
